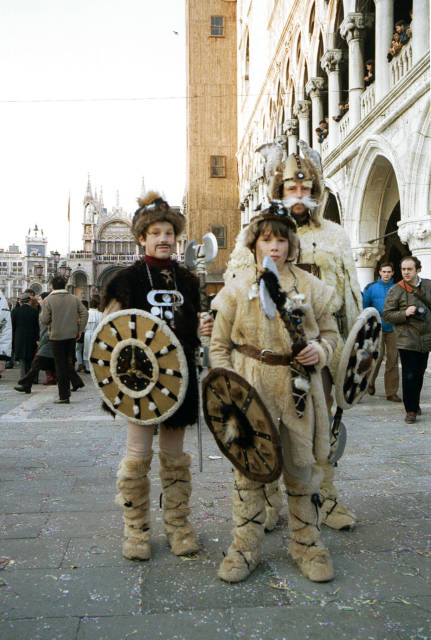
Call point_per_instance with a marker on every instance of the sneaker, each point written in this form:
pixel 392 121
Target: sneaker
pixel 79 386
pixel 410 417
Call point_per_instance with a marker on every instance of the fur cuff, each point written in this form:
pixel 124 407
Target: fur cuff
pixel 324 353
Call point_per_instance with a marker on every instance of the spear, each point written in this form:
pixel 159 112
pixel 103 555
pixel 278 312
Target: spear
pixel 196 257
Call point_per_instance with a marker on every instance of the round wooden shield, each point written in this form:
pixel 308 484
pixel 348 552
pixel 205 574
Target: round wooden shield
pixel 358 358
pixel 139 366
pixel 241 425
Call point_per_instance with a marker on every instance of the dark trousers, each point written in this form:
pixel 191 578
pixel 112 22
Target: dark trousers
pixel 413 366
pixel 25 366
pixel 39 362
pixel 64 356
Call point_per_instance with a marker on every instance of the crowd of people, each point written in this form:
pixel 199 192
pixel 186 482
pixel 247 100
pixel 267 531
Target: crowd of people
pixel 292 365
pixel 400 37
pixel 48 337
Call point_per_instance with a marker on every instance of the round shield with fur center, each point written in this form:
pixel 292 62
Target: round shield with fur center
pixel 358 359
pixel 241 425
pixel 139 366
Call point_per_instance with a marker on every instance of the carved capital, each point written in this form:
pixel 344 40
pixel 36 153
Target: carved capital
pixel 301 108
pixel 281 140
pixel 352 27
pixel 330 61
pixel 367 255
pixel 416 233
pixel 291 127
pixel 314 86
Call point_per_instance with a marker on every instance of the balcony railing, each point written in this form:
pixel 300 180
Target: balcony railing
pixel 80 255
pixel 115 258
pixel 401 64
pixel 344 126
pixel 368 100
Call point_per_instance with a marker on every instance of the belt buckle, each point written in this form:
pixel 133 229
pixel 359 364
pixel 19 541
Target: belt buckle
pixel 264 353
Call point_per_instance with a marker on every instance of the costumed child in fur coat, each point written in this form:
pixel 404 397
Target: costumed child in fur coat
pixel 156 227
pixel 241 328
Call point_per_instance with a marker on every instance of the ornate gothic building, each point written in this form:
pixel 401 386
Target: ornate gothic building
pixel 108 245
pixel 304 62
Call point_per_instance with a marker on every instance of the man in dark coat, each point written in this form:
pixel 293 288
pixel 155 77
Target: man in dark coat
pixel 25 327
pixel 408 308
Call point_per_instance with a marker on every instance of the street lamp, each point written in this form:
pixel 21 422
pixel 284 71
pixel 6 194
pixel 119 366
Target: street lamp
pixel 67 272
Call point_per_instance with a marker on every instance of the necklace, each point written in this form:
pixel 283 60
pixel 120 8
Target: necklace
pixel 164 302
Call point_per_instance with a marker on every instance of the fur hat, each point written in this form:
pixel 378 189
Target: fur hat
pixel 152 208
pixel 278 213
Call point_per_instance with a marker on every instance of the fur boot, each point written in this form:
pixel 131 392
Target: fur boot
pixel 175 477
pixel 334 514
pixel 248 511
pixel 273 505
pixel 306 547
pixel 134 487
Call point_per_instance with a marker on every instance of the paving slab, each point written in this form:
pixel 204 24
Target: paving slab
pixel 62 574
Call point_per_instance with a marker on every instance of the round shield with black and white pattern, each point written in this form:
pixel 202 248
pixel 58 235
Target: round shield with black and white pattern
pixel 241 425
pixel 139 366
pixel 358 358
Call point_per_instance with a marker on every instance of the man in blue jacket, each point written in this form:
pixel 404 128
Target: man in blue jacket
pixel 374 295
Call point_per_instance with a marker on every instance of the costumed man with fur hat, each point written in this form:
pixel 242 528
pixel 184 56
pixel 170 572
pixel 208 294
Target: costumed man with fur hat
pixel 259 349
pixel 325 252
pixel 156 227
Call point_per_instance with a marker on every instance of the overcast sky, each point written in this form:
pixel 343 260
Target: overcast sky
pixel 87 87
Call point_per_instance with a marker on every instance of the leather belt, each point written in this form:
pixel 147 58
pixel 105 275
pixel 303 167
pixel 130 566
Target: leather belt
pixel 264 355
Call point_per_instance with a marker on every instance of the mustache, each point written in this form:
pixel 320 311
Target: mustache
pixel 307 201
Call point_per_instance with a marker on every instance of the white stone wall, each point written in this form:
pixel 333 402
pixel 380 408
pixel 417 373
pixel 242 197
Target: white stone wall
pixel 379 152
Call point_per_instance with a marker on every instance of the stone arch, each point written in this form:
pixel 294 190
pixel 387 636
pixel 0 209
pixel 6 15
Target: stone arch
pixel 418 197
pixel 107 274
pixel 376 170
pixel 80 288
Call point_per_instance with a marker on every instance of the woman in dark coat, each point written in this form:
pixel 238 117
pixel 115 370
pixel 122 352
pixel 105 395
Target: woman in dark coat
pixel 156 227
pixel 43 360
pixel 25 328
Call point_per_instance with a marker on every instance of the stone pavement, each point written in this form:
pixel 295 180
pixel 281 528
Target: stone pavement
pixel 63 577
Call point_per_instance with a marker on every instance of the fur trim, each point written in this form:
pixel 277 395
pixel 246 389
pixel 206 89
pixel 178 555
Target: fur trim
pixel 148 198
pixel 248 510
pixel 175 477
pixel 134 496
pixel 152 208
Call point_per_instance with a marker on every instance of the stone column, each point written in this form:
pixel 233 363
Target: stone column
pixel 330 63
pixel 291 128
pixel 384 30
pixel 366 257
pixel 314 87
pixel 301 109
pixel 417 234
pixel 352 30
pixel 420 28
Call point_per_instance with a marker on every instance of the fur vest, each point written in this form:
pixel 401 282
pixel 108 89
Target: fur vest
pixel 241 320
pixel 130 286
